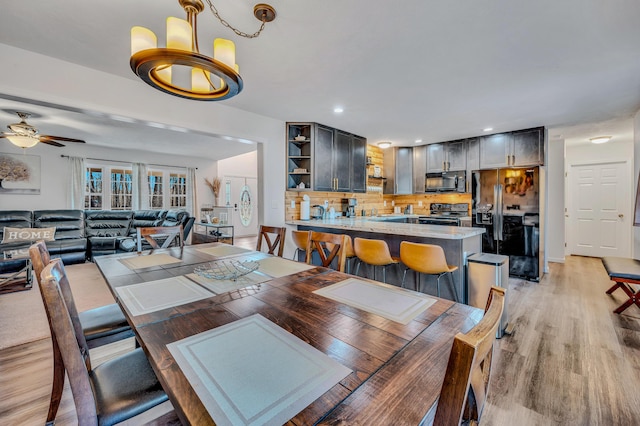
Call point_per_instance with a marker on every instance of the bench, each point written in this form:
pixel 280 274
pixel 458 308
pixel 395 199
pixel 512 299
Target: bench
pixel 623 271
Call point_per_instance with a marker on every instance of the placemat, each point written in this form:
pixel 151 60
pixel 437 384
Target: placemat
pixel 156 295
pixel 252 372
pixel 147 261
pixel 223 286
pixel 278 267
pixel 223 250
pixel 390 302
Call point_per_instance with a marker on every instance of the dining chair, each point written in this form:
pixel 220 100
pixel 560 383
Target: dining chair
pixel 428 259
pixel 266 233
pixel 466 381
pixel 110 393
pixel 301 241
pixel 160 236
pixel 375 253
pixel 101 325
pixel 329 247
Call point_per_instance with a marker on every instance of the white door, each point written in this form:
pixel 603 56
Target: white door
pixel 598 217
pixel 243 197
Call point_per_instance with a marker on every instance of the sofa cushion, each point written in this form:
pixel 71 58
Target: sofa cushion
pixel 15 219
pixel 145 218
pixel 69 223
pixel 11 235
pixel 107 223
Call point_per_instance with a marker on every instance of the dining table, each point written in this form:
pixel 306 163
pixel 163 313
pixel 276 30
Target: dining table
pixel 285 343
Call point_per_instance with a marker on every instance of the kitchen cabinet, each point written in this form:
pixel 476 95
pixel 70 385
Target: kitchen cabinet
pixel 419 168
pixel 446 156
pixel 325 159
pixel 519 148
pixel 398 166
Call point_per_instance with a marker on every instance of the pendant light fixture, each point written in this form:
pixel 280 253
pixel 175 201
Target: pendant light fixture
pixel 211 79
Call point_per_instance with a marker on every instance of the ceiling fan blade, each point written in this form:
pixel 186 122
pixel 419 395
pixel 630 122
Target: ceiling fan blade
pixel 3 135
pixel 49 142
pixel 58 138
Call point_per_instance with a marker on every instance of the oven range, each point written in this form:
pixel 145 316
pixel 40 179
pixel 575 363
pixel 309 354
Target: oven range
pixel 445 214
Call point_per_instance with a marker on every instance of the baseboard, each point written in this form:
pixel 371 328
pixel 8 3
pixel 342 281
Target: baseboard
pixel 555 259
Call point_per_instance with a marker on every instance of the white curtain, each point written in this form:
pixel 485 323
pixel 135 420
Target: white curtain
pixel 77 182
pixel 192 193
pixel 140 190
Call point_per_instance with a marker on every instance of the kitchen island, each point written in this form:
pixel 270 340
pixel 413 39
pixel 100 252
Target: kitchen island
pixel 458 243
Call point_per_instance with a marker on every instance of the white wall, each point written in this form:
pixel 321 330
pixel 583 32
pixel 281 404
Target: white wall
pixel 554 207
pixel 72 85
pixel 636 172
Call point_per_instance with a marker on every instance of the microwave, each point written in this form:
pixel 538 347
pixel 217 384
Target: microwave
pixel 446 182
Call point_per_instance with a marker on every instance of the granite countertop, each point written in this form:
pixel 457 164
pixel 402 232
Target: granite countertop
pixel 382 225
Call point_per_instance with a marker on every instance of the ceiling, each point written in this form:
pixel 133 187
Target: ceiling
pixel 433 71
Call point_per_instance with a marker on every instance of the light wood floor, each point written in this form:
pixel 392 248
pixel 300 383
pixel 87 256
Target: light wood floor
pixel 570 359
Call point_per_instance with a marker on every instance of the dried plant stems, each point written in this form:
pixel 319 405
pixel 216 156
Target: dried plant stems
pixel 214 184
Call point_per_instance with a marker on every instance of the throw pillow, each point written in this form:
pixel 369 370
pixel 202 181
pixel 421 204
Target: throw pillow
pixel 12 235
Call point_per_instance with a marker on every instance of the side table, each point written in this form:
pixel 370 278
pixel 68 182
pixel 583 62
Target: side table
pixel 22 278
pixel 212 233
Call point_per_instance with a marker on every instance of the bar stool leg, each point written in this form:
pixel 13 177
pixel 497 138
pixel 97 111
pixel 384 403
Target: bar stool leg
pixel 359 262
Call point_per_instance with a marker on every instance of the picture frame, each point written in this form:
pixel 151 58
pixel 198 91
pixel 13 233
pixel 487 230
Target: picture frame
pixel 20 174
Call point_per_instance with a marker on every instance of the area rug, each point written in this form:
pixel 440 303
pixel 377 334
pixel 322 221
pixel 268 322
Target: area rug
pixel 252 372
pixel 22 316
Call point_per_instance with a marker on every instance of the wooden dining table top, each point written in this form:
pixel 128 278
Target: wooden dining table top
pixel 397 369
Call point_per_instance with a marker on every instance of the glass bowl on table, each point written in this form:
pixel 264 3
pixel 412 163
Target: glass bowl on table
pixel 226 269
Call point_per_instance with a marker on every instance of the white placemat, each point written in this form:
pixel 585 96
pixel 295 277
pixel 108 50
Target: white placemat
pixel 391 302
pixel 223 286
pixel 252 372
pixel 147 261
pixel 279 267
pixel 223 250
pixel 160 294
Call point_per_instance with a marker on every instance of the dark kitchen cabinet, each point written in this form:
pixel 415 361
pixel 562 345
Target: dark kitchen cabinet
pixel 519 148
pixel 419 168
pixel 398 166
pixel 330 159
pixel 447 156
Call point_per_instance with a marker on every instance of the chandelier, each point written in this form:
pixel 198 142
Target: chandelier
pixel 211 79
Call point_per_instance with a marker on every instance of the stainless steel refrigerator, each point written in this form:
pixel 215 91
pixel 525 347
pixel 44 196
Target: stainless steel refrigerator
pixel 508 203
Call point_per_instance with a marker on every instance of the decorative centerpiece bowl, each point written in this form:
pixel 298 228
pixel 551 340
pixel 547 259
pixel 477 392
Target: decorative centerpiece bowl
pixel 226 269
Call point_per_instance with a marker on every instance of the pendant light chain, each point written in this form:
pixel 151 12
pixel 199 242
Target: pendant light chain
pixel 226 24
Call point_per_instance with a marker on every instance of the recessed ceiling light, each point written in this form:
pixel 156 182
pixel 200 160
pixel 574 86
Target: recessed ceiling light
pixel 338 110
pixel 487 129
pixel 600 139
pixel 384 145
pixel 418 141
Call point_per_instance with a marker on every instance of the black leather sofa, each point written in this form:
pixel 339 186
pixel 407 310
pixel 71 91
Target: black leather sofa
pixel 81 235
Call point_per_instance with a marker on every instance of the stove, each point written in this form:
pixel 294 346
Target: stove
pixel 445 214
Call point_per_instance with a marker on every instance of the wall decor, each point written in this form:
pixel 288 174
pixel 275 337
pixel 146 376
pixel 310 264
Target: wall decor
pixel 19 174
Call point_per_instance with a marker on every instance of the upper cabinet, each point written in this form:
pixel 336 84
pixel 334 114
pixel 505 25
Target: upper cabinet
pixel 519 148
pixel 336 159
pixel 447 156
pixel 398 166
pixel 419 168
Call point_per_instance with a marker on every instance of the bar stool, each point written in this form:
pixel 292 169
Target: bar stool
pixel 301 240
pixel 374 253
pixel 426 259
pixel 349 253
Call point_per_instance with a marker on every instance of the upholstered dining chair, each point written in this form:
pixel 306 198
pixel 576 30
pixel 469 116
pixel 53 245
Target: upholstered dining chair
pixel 160 236
pixel 268 232
pixel 101 325
pixel 466 381
pixel 329 247
pixel 112 392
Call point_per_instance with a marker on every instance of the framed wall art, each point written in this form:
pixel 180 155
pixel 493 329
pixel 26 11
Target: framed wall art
pixel 19 174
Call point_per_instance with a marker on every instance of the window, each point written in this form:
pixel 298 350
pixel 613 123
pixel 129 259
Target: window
pixel 93 192
pixel 167 189
pixel 121 189
pixel 111 188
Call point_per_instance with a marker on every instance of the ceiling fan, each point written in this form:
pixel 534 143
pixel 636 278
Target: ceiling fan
pixel 24 135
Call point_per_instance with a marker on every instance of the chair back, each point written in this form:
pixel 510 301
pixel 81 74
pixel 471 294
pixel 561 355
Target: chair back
pixel 40 259
pixel 66 338
pixel 372 252
pixel 266 233
pixel 329 247
pixel 424 258
pixel 169 233
pixel 464 391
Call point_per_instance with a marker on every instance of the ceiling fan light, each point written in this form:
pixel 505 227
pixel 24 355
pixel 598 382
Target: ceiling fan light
pixel 22 141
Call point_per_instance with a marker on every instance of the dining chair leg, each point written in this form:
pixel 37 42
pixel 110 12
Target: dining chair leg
pixel 57 387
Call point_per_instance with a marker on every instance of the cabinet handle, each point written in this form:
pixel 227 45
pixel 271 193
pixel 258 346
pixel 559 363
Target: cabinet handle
pixel 508 160
pixel 513 160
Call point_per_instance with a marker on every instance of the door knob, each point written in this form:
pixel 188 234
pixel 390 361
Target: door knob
pixel 620 215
